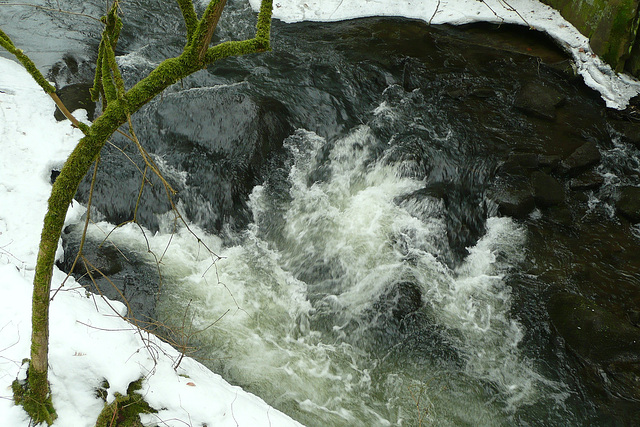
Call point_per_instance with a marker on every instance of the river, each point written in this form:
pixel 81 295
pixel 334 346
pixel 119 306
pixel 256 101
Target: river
pixel 395 209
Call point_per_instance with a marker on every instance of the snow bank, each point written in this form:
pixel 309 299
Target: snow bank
pixel 616 89
pixel 89 342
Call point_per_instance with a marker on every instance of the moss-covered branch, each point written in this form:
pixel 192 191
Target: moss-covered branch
pixel 6 43
pixel 207 26
pixel 189 16
pixel 118 104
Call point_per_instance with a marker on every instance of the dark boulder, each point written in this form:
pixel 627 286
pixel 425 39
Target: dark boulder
pixel 586 181
pixel 592 332
pixel 583 157
pixel 538 100
pixel 629 130
pixel 398 301
pixel 520 163
pixel 114 272
pixel 607 346
pixel 629 203
pixel 514 197
pixel 547 191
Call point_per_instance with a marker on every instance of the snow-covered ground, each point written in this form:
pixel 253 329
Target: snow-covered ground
pixel 89 342
pixel 616 89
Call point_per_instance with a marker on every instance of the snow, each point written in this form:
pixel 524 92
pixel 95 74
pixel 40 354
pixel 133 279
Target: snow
pixel 89 341
pixel 615 89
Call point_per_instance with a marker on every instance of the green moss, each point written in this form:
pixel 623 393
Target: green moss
pixel 102 391
pixel 39 410
pixel 34 394
pixel 125 411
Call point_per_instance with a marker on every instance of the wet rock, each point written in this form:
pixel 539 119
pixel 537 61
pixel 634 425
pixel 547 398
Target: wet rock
pixel 74 69
pixel 397 302
pixel 116 273
pixel 592 332
pixel 586 181
pixel 549 162
pixel 607 346
pixel 402 327
pixel 582 158
pixel 76 96
pixel 404 298
pixel 519 163
pixel 629 203
pixel 225 137
pixel 118 184
pixel 629 130
pixel 483 92
pixel 414 74
pixel 538 100
pixel 547 191
pixel 514 198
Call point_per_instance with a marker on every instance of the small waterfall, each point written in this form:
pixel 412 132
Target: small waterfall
pixel 336 304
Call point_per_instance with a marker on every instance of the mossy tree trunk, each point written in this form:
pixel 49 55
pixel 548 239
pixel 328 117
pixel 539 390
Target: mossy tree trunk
pixel 118 106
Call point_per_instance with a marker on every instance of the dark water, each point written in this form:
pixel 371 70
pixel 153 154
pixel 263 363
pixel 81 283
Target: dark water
pixel 358 179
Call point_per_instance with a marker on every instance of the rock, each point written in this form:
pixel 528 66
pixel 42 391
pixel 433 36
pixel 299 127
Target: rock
pixel 483 92
pixel 630 131
pixel 538 100
pixel 547 191
pixel 607 346
pixel 586 181
pixel 593 333
pixel 629 203
pixel 514 198
pixel 76 96
pixel 399 301
pixel 518 163
pixel 583 157
pixel 116 273
pixel 549 162
pixel 610 25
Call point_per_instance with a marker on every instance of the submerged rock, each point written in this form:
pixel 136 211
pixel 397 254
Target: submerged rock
pixel 114 272
pixel 592 332
pixel 402 299
pixel 582 158
pixel 547 191
pixel 514 197
pixel 539 100
pixel 607 346
pixel 629 203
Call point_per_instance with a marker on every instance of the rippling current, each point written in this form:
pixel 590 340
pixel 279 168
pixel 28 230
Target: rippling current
pixel 347 179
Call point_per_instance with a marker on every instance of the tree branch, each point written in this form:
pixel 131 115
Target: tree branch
pixel 189 16
pixel 263 27
pixel 209 22
pixel 6 43
pixel 116 111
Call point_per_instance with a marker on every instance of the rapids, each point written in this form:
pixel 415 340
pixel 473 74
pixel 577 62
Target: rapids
pixel 353 183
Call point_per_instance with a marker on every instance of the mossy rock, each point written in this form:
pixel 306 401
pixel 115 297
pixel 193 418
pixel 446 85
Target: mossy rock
pixel 125 410
pixel 611 25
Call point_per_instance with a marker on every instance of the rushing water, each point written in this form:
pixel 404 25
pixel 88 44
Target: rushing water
pixel 347 180
pixel 340 306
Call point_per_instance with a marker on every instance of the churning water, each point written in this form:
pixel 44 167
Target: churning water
pixel 340 305
pixel 366 277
